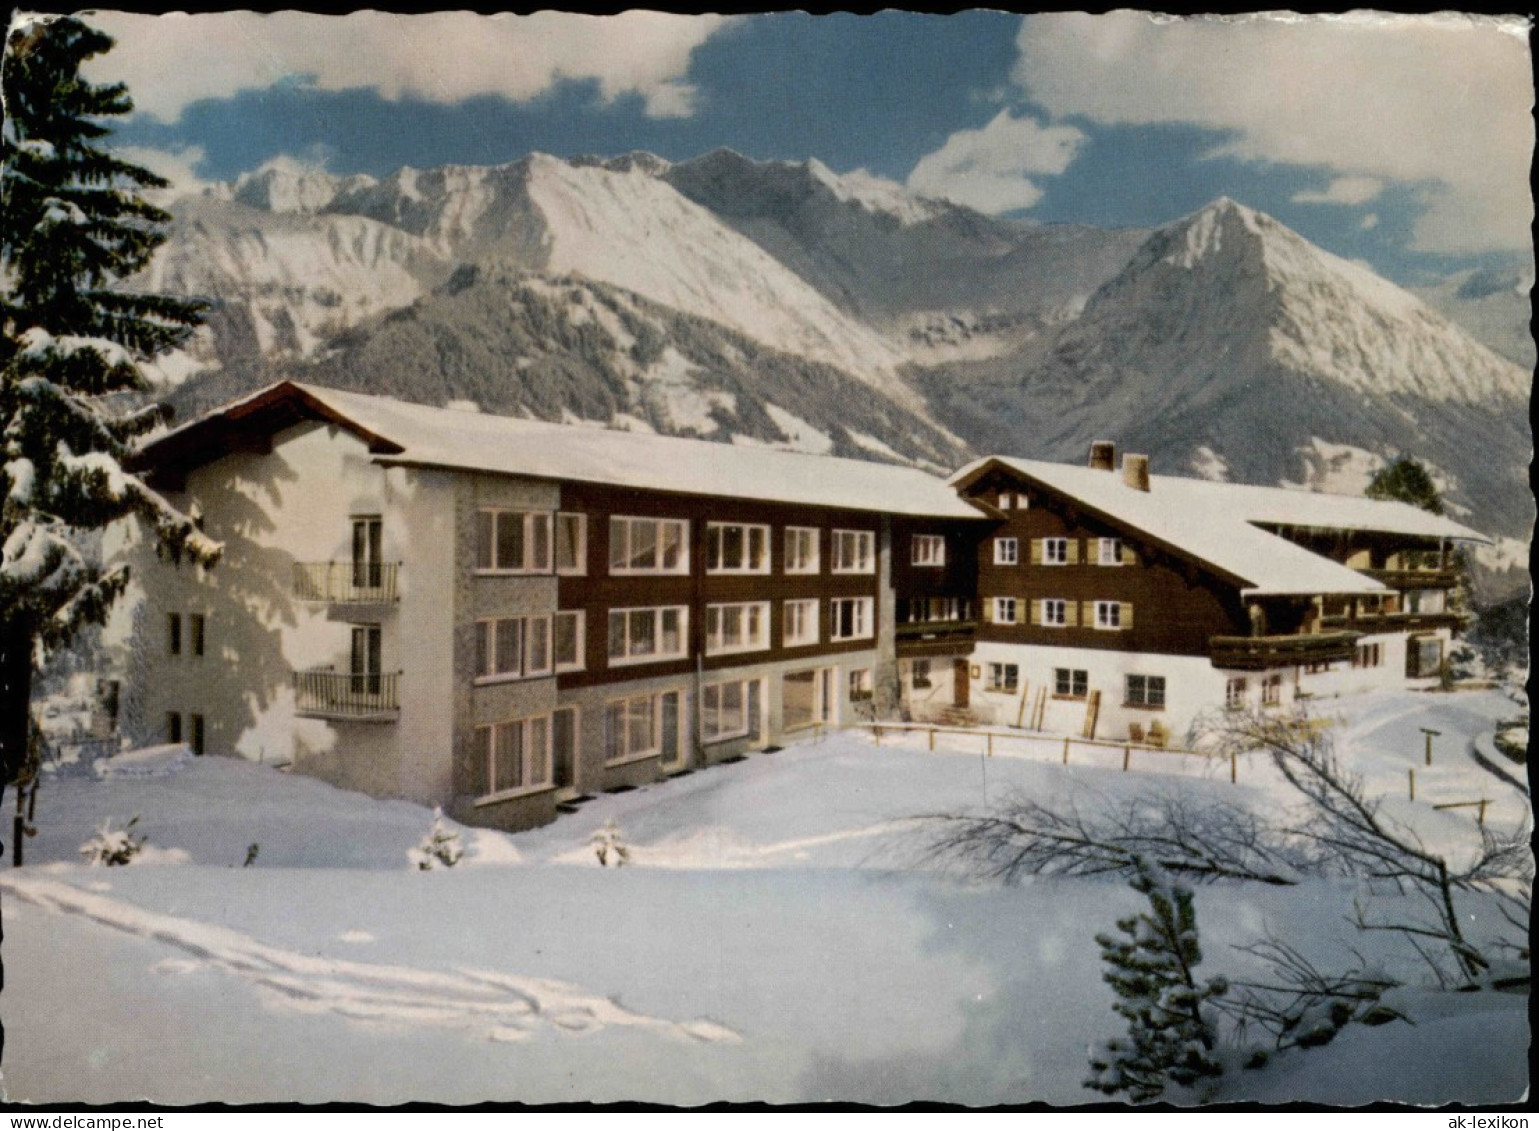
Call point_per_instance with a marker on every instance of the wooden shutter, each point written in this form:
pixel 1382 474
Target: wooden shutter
pixel 1128 556
pixel 1073 551
pixel 1071 614
pixel 1126 613
pixel 1087 613
pixel 988 610
pixel 1036 611
pixel 1036 551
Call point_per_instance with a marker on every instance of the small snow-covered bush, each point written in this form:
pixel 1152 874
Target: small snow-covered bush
pixel 1170 1036
pixel 440 847
pixel 112 847
pixel 607 846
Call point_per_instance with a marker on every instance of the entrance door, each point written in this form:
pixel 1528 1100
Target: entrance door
pixel 961 686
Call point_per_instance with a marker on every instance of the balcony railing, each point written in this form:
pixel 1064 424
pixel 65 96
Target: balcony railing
pixel 366 696
pixel 935 636
pixel 1395 622
pixel 346 583
pixel 1415 578
pixel 1258 653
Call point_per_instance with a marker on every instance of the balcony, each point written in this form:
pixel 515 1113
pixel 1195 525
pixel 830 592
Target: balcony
pixel 1395 622
pixel 1259 653
pixel 366 697
pixel 1415 578
pixel 935 637
pixel 346 583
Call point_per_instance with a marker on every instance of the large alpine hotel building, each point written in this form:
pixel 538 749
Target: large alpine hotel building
pixel 499 615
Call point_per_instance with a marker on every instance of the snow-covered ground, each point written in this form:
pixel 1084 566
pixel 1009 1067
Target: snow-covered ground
pixel 773 937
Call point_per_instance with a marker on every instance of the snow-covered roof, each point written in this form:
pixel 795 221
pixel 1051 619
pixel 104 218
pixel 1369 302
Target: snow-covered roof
pixel 418 435
pixel 1218 522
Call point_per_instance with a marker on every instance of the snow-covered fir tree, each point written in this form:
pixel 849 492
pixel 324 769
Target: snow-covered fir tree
pixel 441 847
pixel 1170 1037
pixel 73 225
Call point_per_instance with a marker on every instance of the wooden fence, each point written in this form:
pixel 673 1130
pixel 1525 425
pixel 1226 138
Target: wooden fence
pixel 992 738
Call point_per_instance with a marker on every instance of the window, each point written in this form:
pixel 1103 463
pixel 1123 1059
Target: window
pixel 195 626
pixel 1271 691
pixel 1109 552
pixel 929 550
pixel 1055 551
pixel 364 660
pixel 860 685
pixel 807 697
pixel 1108 614
pixel 642 726
pixel 513 648
pixel 1368 656
pixel 1055 612
pixel 801 624
pixel 513 757
pixel 736 628
pixel 1071 683
pixel 1007 551
pixel 174 633
pixel 1425 600
pixel 571 543
pixel 1004 500
pixel 512 542
pixel 735 548
pixel 367 556
pixel 1316 667
pixel 725 710
pixel 802 549
pixel 850 617
pixel 1004 610
pixel 1004 677
pixel 1236 691
pixel 1145 691
pixel 648 545
pixel 568 632
pixel 195 722
pixel 639 635
pixel 173 727
pixel 854 551
pixel 1008 499
pixel 921 674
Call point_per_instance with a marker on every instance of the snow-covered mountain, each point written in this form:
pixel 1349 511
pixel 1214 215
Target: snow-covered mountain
pixel 1223 344
pixel 1231 346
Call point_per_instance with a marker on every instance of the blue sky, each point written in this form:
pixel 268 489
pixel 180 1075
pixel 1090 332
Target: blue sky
pixel 1403 142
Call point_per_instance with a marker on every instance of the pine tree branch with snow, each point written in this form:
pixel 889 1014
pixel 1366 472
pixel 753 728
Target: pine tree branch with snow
pixel 74 227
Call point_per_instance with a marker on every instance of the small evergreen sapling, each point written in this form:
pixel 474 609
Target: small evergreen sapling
pixel 440 846
pixel 607 846
pixel 1170 1037
pixel 112 847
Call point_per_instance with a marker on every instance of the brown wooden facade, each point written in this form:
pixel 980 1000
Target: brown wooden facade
pixel 1178 603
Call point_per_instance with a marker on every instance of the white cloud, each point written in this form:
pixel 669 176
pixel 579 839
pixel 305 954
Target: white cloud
pixel 1369 222
pixel 1343 190
pixel 179 166
pixel 173 60
pixel 990 168
pixel 1442 98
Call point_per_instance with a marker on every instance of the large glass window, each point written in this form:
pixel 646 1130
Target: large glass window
pixel 513 541
pixel 513 647
pixel 736 548
pixel 513 757
pixel 648 545
pixel 851 618
pixel 801 626
pixel 638 635
pixel 724 711
pixel 736 628
pixel 854 551
pixel 802 549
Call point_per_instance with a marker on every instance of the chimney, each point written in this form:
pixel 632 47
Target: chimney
pixel 1135 471
pixel 1103 455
